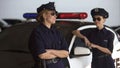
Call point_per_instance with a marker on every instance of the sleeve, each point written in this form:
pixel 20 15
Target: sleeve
pixel 110 42
pixel 36 44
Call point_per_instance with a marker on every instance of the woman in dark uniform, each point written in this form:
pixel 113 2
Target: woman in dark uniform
pixel 99 39
pixel 46 43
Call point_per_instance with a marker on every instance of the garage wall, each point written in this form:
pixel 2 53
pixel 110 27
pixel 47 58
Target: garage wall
pixel 16 8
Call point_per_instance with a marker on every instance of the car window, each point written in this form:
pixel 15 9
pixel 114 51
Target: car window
pixel 78 42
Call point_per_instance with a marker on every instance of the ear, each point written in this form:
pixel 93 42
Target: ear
pixel 104 19
pixel 44 15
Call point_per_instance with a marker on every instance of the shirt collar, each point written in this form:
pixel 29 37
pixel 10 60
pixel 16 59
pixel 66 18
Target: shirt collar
pixel 102 30
pixel 46 29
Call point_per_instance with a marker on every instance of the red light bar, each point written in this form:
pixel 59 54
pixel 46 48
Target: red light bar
pixel 81 15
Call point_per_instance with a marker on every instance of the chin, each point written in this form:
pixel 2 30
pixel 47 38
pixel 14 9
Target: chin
pixel 53 23
pixel 97 24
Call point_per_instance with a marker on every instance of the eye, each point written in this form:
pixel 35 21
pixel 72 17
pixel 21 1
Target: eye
pixel 98 19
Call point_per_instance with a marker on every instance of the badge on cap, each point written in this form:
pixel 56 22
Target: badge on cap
pixel 96 10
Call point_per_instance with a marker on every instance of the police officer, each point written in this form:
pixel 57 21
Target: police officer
pixel 46 43
pixel 99 39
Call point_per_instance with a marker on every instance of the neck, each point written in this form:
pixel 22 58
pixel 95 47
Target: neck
pixel 48 25
pixel 100 27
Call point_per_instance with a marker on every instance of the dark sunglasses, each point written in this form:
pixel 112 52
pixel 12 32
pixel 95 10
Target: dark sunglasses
pixel 98 19
pixel 54 13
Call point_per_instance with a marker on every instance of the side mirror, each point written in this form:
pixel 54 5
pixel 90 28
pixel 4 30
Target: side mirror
pixel 81 51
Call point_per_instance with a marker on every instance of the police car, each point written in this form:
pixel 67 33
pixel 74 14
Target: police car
pixel 6 23
pixel 14 52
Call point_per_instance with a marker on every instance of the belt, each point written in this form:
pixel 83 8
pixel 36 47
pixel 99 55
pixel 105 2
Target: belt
pixel 55 60
pixel 101 56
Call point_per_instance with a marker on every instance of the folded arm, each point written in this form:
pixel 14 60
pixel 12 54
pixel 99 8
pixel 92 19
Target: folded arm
pixel 51 53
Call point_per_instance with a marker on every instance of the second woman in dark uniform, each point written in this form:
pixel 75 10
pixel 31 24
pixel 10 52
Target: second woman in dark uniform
pixel 99 39
pixel 46 42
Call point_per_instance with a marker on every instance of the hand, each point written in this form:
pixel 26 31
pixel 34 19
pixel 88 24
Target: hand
pixel 87 42
pixel 48 54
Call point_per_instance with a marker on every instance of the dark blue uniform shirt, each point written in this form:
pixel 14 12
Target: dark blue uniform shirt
pixel 43 38
pixel 102 38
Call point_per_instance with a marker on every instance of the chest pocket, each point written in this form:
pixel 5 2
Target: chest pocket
pixel 104 42
pixel 100 40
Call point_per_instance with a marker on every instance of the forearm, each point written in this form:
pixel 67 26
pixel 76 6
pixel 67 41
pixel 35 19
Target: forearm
pixel 46 55
pixel 103 49
pixel 59 53
pixel 78 34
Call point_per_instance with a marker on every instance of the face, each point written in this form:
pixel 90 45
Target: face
pixel 99 20
pixel 50 17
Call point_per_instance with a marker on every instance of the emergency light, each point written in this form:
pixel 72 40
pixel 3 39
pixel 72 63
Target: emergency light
pixel 30 15
pixel 81 15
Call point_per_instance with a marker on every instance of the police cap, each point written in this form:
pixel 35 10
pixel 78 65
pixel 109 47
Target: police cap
pixel 99 11
pixel 48 6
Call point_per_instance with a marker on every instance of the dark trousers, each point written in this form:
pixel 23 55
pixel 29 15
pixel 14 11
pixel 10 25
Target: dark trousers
pixel 103 62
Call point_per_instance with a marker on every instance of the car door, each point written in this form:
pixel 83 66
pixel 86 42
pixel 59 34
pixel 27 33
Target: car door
pixel 83 60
